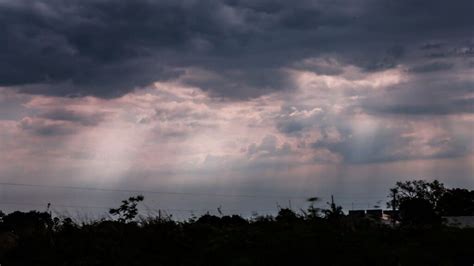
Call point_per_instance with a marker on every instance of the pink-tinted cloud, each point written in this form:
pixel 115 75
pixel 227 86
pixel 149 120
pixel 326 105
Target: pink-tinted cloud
pixel 170 134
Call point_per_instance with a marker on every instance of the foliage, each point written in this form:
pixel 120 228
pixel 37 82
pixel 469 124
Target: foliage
pixel 456 202
pixel 334 212
pixel 418 211
pixel 312 212
pixel 420 189
pixel 424 203
pixel 128 210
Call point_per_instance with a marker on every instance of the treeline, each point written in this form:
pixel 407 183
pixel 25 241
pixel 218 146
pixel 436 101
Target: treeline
pixel 421 203
pixel 308 237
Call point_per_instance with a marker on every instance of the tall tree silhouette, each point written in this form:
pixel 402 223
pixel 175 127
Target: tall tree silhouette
pixel 420 189
pixel 456 202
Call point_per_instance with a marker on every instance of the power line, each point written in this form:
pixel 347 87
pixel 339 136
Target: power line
pixel 149 191
pixel 165 193
pixel 54 206
pixel 45 204
pixel 168 192
pixel 142 209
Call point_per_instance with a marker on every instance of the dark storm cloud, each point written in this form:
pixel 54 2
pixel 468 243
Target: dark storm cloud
pixel 431 45
pixel 240 83
pixel 107 48
pixel 322 66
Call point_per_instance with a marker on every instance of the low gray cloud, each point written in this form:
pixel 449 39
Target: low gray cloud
pixel 85 119
pixel 268 147
pixel 450 107
pixel 409 120
pixel 60 122
pixel 380 147
pixel 423 97
pixel 44 128
pixel 431 67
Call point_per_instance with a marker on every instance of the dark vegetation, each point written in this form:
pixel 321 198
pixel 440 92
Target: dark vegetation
pixel 313 236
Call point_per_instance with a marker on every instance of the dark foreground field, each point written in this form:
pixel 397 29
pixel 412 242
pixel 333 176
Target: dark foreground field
pixel 287 239
pixel 414 235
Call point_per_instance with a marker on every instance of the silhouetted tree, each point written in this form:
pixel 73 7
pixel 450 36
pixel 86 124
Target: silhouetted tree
pixel 286 215
pixel 233 220
pixel 456 202
pixel 313 212
pixel 418 211
pixel 128 210
pixel 27 223
pixel 419 189
pixel 334 212
pixel 209 219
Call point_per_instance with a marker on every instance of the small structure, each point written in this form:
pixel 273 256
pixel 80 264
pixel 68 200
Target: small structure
pixel 374 213
pixel 388 217
pixel 357 213
pixel 459 221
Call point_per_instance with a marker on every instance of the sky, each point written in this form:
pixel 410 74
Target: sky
pixel 245 105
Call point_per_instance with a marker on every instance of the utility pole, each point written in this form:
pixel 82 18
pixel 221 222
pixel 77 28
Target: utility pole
pixel 394 200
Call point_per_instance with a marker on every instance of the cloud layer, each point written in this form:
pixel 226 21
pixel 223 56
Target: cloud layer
pixel 237 95
pixel 235 49
pixel 356 117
